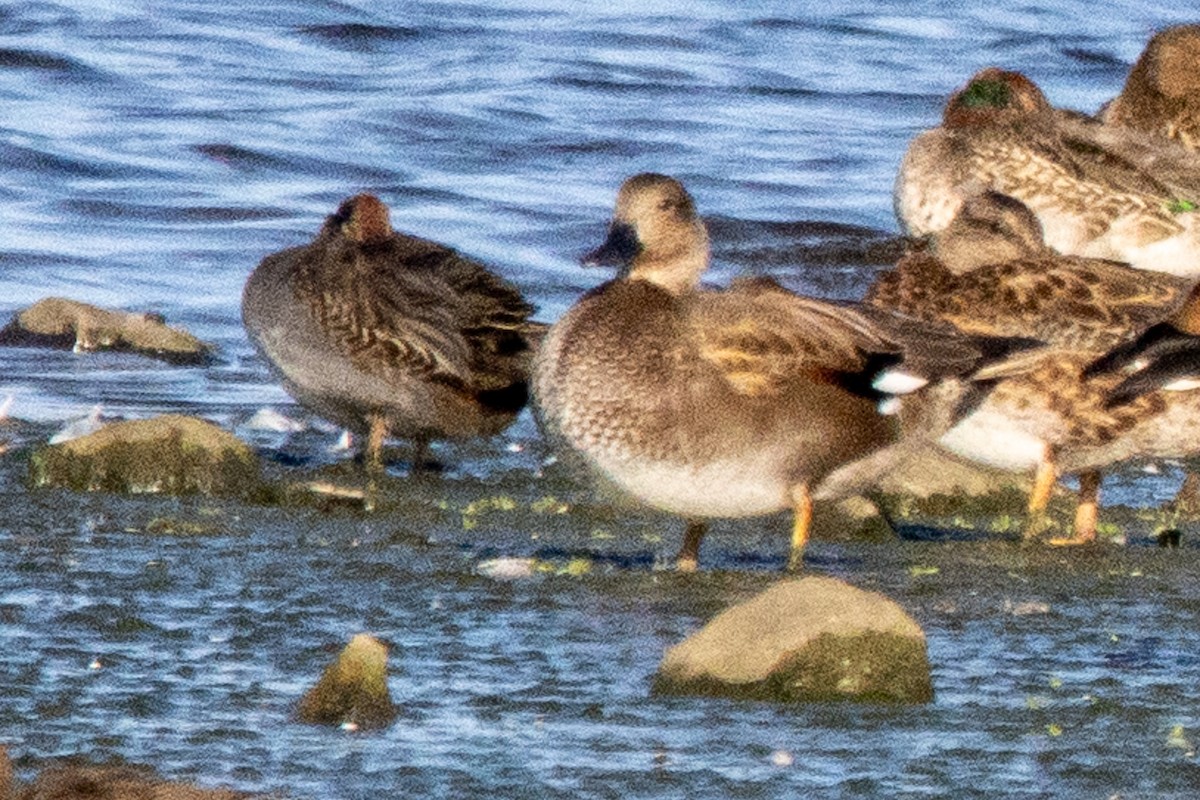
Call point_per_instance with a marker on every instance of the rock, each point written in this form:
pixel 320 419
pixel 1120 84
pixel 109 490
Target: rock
pixel 68 324
pixel 6 774
pixel 168 454
pixel 353 690
pixel 810 639
pixel 934 472
pixel 77 780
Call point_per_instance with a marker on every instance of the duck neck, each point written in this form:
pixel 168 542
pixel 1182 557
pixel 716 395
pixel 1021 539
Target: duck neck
pixel 676 270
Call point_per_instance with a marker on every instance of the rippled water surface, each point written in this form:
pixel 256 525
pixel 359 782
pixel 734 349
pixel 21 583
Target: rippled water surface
pixel 151 154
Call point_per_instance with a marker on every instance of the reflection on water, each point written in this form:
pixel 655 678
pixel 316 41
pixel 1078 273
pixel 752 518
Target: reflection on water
pixel 152 155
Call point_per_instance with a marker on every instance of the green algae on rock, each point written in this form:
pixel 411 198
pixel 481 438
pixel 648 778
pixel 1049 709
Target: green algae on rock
pixel 811 639
pixel 352 691
pixel 60 323
pixel 168 454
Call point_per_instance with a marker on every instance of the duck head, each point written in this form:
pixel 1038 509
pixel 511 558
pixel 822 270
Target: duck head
pixel 1168 66
pixel 1162 92
pixel 362 219
pixel 994 95
pixel 655 235
pixel 990 228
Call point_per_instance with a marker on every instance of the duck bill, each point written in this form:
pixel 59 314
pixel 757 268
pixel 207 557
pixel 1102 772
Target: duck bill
pixel 619 249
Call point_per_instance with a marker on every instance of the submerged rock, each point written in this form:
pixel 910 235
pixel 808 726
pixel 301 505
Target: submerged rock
pixel 71 325
pixel 810 639
pixel 169 454
pixel 353 690
pixel 78 780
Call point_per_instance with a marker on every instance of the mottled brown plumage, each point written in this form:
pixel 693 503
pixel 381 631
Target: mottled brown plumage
pixel 1044 413
pixel 391 333
pixel 709 403
pixel 1161 96
pixel 1164 356
pixel 1067 301
pixel 1098 190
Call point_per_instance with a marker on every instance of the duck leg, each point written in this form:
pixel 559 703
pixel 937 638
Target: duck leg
pixel 374 458
pixel 1039 496
pixel 1086 511
pixel 420 459
pixel 803 504
pixel 689 553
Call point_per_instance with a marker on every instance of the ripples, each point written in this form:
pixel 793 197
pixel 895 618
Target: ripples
pixel 544 683
pixel 64 68
pixel 360 36
pixel 151 156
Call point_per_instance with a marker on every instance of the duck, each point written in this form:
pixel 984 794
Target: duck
pixel 1099 191
pixel 392 335
pixel 1161 95
pixel 990 272
pixel 714 403
pixel 1054 417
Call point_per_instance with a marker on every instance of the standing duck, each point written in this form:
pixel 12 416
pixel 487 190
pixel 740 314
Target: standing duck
pixel 708 403
pixel 989 272
pixel 1162 93
pixel 391 335
pixel 1097 190
pixel 1056 416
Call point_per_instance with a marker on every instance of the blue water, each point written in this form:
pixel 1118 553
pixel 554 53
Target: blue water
pixel 152 153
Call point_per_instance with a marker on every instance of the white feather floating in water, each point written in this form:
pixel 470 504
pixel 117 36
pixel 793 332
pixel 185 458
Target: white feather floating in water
pixel 507 568
pixel 344 444
pixel 268 419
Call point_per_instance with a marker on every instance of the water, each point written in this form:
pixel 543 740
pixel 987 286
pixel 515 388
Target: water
pixel 152 154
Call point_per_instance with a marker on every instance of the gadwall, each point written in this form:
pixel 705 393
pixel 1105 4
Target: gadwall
pixel 1162 93
pixel 391 335
pixel 710 403
pixel 1098 190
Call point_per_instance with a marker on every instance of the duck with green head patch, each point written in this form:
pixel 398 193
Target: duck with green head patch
pixel 1098 190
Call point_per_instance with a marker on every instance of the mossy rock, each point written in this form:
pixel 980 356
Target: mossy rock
pixel 812 639
pixel 75 779
pixel 56 322
pixel 169 454
pixel 353 690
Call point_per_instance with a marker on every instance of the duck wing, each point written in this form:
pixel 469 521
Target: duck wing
pixel 761 338
pixel 385 308
pixel 1066 301
pixel 1130 160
